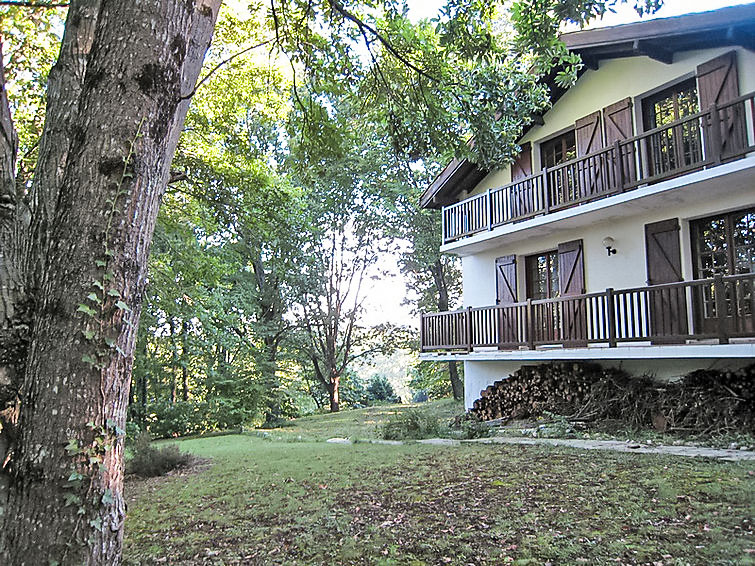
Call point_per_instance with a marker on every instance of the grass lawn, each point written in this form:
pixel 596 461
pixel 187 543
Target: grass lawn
pixel 263 501
pixel 360 424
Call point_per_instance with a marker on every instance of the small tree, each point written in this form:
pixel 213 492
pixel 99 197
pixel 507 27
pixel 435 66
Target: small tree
pixel 380 389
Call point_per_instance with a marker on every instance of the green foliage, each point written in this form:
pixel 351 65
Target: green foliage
pixel 353 391
pixel 165 419
pixel 149 461
pixel 31 40
pixel 182 418
pixel 380 389
pixel 431 378
pixel 413 424
pixel 226 243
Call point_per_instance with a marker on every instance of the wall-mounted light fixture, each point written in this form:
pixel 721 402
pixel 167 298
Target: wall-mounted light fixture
pixel 608 242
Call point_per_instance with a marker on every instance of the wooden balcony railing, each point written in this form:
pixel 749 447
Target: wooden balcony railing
pixel 719 308
pixel 705 139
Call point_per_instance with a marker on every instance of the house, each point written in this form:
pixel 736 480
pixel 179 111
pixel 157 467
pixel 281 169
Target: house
pixel 624 232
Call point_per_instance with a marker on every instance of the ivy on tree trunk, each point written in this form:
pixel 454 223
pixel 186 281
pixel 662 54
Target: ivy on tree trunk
pixel 73 254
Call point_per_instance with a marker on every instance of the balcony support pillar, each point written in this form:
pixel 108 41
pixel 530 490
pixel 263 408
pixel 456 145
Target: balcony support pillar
pixel 716 145
pixel 611 318
pixel 468 317
pixel 530 325
pixel 719 291
pixel 489 201
pixel 619 162
pixel 546 191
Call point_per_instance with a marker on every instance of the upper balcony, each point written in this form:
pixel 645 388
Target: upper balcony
pixel 702 140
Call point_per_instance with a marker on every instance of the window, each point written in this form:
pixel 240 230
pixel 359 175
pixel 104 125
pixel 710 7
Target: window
pixel 563 182
pixel 670 105
pixel 725 245
pixel 673 146
pixel 559 149
pixel 542 283
pixel 542 275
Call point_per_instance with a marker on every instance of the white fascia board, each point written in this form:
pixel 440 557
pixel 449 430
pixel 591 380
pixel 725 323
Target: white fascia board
pixel 637 352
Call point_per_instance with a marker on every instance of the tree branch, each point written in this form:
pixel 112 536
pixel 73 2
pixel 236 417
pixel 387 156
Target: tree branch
pixel 223 62
pixel 338 7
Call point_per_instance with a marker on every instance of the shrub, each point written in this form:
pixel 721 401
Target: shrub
pixel 380 389
pixel 133 430
pixel 412 424
pixel 149 461
pixel 421 396
pixel 470 426
pixel 165 419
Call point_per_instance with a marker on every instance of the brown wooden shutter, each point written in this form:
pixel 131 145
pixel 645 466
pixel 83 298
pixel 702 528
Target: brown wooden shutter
pixel 668 306
pixel 571 268
pixel 505 280
pixel 591 174
pixel 571 278
pixel 718 83
pixel 717 80
pixel 588 135
pixel 520 195
pixel 617 118
pixel 505 290
pixel 664 257
pixel 522 166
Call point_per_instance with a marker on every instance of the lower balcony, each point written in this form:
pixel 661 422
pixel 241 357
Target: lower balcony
pixel 700 312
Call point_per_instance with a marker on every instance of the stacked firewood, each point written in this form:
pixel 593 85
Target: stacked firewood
pixel 534 389
pixel 703 402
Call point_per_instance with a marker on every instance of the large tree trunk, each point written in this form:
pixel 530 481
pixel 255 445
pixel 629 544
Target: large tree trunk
pixel 61 500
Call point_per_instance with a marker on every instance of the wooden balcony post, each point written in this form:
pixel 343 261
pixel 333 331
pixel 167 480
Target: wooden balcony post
pixel 719 290
pixel 444 235
pixel 546 192
pixel 490 209
pixel 530 325
pixel 716 145
pixel 422 332
pixel 619 163
pixel 468 317
pixel 611 315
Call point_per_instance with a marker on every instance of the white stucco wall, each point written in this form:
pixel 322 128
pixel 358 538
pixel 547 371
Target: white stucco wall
pixel 625 269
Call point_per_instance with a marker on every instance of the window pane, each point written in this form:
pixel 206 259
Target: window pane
pixel 744 243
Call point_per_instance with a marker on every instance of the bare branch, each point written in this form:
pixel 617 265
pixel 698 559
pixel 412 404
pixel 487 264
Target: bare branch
pixel 223 62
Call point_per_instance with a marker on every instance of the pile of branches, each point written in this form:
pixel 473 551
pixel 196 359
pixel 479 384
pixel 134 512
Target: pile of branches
pixel 705 401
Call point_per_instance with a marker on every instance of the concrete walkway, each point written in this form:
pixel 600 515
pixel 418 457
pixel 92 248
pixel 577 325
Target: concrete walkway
pixel 615 445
